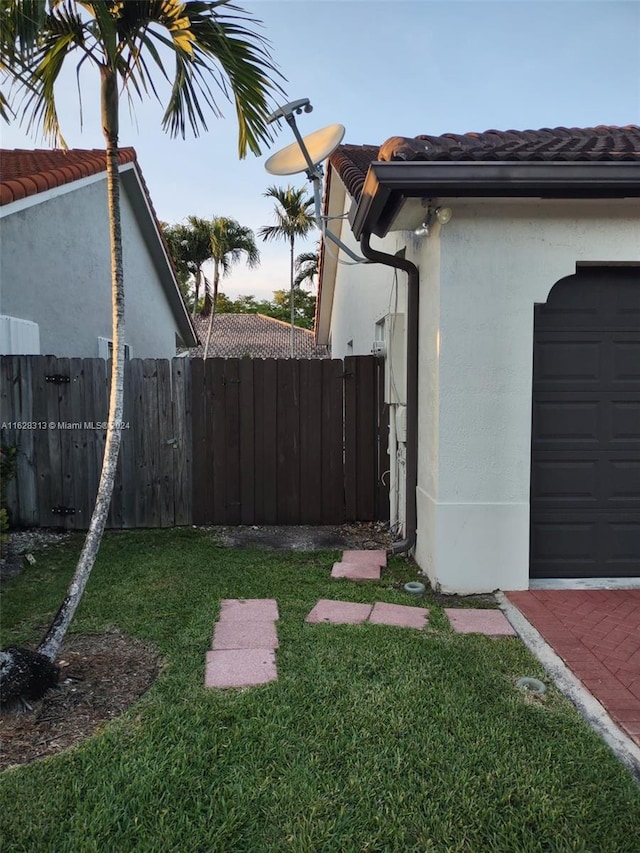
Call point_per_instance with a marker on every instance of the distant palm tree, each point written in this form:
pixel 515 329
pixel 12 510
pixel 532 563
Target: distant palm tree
pixel 190 249
pixel 208 42
pixel 293 220
pixel 229 241
pixel 307 267
pixel 197 251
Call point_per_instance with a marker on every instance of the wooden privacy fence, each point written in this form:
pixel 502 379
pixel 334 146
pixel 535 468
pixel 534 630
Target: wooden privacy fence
pixel 226 441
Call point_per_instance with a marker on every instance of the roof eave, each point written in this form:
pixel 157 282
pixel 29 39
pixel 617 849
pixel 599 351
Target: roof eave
pixel 388 184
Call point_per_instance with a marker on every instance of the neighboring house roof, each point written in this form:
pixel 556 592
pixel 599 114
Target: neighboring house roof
pixel 253 336
pixel 549 144
pixel 26 173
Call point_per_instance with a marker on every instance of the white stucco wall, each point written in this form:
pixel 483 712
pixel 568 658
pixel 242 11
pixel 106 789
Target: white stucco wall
pixel 480 278
pixel 55 271
pixel 364 294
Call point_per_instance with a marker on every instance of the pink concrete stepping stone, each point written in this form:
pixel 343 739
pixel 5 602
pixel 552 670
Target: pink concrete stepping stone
pixel 262 609
pixel 378 557
pixel 356 571
pixel 252 634
pixel 399 614
pixel 339 612
pixel 240 667
pixel 493 623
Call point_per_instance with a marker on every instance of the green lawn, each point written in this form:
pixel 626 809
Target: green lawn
pixel 372 739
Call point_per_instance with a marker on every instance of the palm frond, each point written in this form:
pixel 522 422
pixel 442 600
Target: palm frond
pixel 214 46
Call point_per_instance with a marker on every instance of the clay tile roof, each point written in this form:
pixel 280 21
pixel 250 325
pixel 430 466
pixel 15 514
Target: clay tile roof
pixel 253 336
pixel 550 144
pixel 24 173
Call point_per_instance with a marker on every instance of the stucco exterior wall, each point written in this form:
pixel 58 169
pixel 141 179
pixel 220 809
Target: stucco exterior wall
pixel 364 294
pixel 496 260
pixel 55 271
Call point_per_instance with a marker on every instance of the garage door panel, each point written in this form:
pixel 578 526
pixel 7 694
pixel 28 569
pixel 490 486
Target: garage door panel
pixel 623 418
pixel 626 360
pixel 559 481
pixel 568 545
pixel 590 360
pixel 578 419
pixel 581 544
pixel 559 421
pixel 585 479
pixel 623 475
pixel 560 361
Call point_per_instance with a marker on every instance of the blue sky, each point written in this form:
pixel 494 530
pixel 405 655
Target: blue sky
pixel 384 69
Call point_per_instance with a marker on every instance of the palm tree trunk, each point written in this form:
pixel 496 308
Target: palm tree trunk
pixel 292 300
pixel 216 281
pixel 50 645
pixel 197 294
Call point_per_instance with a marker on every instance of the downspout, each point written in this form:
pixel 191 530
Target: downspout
pixel 413 280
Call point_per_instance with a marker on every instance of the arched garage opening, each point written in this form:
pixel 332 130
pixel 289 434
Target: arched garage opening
pixel 585 436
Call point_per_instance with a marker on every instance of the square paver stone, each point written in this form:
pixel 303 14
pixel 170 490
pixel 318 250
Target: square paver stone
pixel 240 667
pixel 252 634
pixel 493 623
pixel 399 614
pixel 262 609
pixel 356 571
pixel 339 612
pixel 379 557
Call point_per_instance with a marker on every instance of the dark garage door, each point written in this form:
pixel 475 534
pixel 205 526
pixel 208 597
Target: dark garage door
pixel 585 465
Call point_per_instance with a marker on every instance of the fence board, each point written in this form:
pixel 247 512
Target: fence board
pixel 270 441
pixel 151 442
pixel 366 442
pixel 217 437
pixel 74 446
pixel 231 384
pixel 17 408
pixel 182 436
pixel 311 441
pixel 288 438
pixel 165 444
pixel 246 413
pixel 333 468
pixel 350 439
pixel 198 442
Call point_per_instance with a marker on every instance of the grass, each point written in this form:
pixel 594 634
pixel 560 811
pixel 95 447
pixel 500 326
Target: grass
pixel 372 739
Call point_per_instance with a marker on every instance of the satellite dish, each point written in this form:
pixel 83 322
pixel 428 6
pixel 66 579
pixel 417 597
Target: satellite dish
pixel 319 145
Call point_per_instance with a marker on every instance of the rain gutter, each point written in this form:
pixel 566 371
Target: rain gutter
pixel 388 184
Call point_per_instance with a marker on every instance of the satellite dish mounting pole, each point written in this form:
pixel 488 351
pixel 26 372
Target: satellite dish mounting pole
pixel 288 161
pixel 314 170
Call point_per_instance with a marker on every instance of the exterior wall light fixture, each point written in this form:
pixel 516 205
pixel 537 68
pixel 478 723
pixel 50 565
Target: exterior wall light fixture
pixel 434 214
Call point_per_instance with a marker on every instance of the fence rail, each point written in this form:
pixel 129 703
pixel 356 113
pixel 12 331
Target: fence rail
pixel 221 441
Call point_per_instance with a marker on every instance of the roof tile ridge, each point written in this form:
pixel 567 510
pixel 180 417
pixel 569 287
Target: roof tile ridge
pixel 283 323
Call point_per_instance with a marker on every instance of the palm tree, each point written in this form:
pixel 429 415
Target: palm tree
pixel 195 250
pixel 125 42
pixel 293 220
pixel 307 267
pixel 229 242
pixel 177 239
